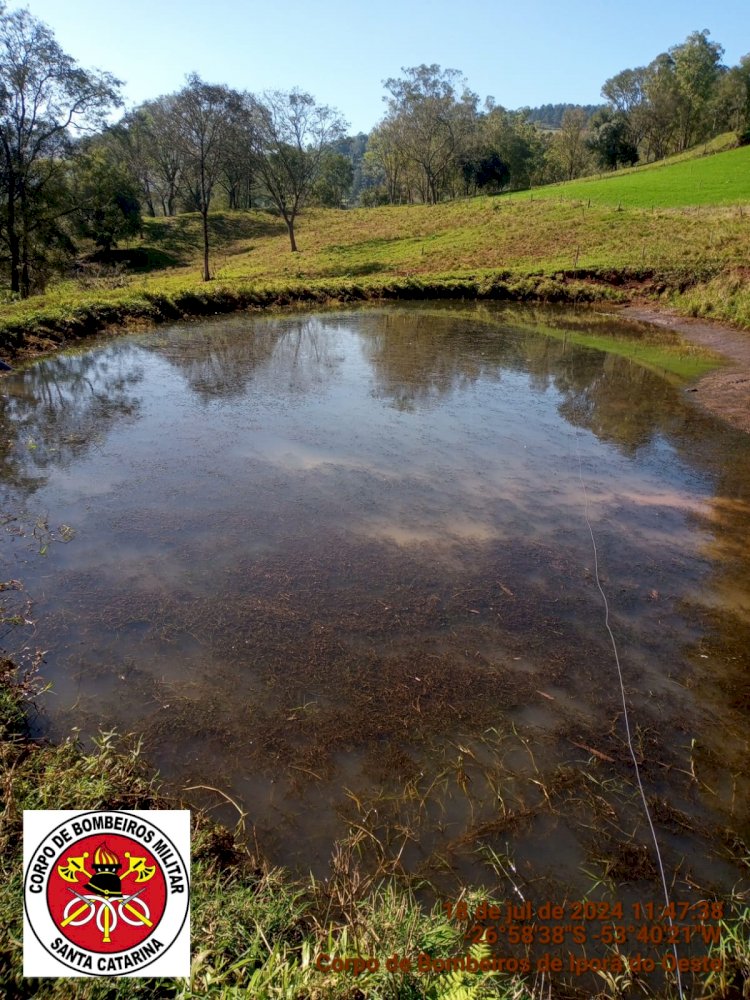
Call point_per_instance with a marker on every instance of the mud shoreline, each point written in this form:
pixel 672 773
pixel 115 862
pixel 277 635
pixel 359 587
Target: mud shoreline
pixel 725 392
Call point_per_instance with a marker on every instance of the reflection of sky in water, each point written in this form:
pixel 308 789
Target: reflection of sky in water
pixel 275 512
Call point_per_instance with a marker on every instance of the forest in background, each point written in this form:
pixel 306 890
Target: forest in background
pixel 74 183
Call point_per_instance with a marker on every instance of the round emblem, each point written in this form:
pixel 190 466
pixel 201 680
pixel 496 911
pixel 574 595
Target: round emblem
pixel 106 893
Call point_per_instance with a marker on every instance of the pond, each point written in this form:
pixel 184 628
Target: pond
pixel 338 567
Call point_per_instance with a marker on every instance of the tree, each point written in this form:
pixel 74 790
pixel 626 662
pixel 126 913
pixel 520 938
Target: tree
pixel 430 123
pixel 165 151
pixel 107 199
pixel 697 68
pixel 518 143
pixel 335 181
pixel 732 101
pixel 610 140
pixel 384 161
pixel 131 137
pixel 291 134
pixel 238 167
pixel 570 143
pixel 485 171
pixel 44 96
pixel 626 94
pixel 203 117
pixel 660 114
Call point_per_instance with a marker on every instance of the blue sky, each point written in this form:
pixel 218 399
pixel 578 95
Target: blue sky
pixel 341 50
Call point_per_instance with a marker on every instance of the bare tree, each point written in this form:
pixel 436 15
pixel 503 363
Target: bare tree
pixel 291 133
pixel 203 116
pixel 165 152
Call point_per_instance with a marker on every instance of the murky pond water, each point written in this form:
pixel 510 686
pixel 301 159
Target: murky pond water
pixel 338 567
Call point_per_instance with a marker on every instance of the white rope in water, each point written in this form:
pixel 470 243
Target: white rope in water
pixel 627 717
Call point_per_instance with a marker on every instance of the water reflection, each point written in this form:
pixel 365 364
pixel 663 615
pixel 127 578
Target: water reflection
pixel 348 550
pixel 52 414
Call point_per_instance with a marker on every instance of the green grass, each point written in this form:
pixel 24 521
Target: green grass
pixel 680 182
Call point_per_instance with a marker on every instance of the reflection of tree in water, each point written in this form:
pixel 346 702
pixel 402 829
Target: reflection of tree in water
pixel 618 401
pixel 53 412
pixel 220 360
pixel 419 357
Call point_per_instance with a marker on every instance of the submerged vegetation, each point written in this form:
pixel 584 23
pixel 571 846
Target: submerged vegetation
pixel 259 932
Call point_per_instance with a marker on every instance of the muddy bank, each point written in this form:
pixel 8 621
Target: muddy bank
pixel 726 392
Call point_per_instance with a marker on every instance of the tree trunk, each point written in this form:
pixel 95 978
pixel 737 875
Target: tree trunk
pixel 206 272
pixel 149 198
pixel 25 278
pixel 14 244
pixel 290 227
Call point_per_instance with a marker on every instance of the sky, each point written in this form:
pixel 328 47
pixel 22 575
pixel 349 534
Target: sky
pixel 530 53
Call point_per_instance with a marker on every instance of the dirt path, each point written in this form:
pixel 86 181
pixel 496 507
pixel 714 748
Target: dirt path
pixel 726 392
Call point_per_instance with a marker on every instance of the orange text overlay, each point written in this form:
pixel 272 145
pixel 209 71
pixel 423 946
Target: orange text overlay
pixel 356 965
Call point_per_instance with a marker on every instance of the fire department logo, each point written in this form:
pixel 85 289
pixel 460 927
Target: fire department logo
pixel 106 893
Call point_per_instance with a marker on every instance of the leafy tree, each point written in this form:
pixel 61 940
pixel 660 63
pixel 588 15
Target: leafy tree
pixel 697 68
pixel 238 166
pixel 626 90
pixel 610 140
pixel 626 94
pixel 385 162
pixel 44 96
pixel 660 114
pixel 569 145
pixel 518 143
pixel 335 180
pixel 485 172
pixel 107 199
pixel 291 134
pixel 203 116
pixel 732 99
pixel 430 122
pixel 166 153
pixel 132 139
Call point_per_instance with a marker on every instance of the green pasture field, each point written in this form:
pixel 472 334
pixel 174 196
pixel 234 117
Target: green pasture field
pixel 721 179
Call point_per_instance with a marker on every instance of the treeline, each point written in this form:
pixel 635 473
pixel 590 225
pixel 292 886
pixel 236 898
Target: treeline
pixel 437 142
pixel 551 115
pixel 70 179
pixel 66 177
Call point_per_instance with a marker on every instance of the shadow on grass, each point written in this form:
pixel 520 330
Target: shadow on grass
pixel 353 270
pixel 136 259
pixel 178 240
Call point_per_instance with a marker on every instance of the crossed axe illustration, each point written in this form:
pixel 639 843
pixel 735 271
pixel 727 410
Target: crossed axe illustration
pixel 75 866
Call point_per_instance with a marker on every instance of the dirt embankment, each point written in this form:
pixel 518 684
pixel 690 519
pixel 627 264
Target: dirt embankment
pixel 725 392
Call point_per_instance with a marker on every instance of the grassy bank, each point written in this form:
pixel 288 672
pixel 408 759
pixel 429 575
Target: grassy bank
pixel 256 930
pixel 677 233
